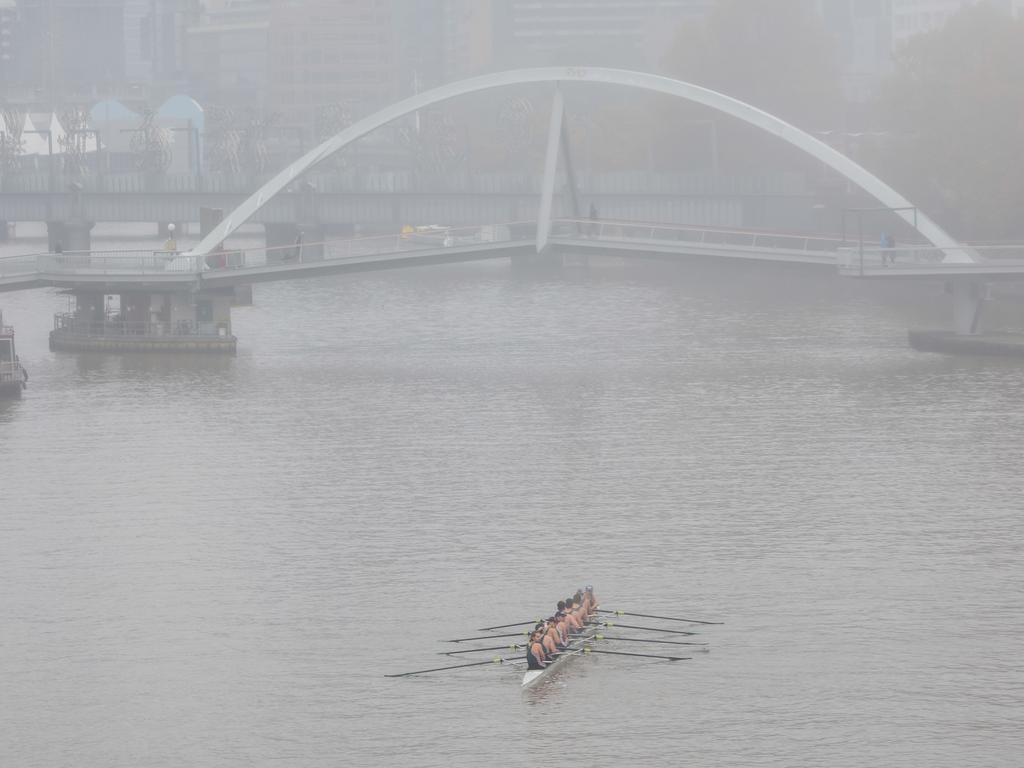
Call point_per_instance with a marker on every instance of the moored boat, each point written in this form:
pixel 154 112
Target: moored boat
pixel 12 375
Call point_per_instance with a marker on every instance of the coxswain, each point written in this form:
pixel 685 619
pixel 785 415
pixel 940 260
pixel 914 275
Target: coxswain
pixel 535 656
pixel 588 595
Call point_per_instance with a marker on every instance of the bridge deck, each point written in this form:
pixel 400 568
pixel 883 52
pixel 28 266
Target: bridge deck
pixel 158 270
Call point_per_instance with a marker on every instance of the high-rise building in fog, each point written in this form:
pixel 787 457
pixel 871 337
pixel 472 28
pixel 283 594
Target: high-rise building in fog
pixel 914 17
pixel 419 44
pixel 154 38
pixel 494 34
pixel 226 53
pixel 862 32
pixel 73 50
pixel 326 53
pixel 70 48
pixel 8 61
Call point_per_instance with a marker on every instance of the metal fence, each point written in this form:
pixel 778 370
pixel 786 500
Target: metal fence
pixel 667 233
pixel 37 181
pixel 10 371
pixel 364 247
pixel 121 262
pixel 857 259
pixel 70 324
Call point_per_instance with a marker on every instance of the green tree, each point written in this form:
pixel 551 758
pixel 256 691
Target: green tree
pixel 954 110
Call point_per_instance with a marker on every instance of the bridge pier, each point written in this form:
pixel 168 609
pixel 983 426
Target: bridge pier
pixel 967 337
pixel 69 235
pixel 146 321
pixel 968 302
pixel 5 231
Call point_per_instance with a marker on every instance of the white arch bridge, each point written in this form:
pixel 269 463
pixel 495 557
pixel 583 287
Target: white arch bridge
pixel 557 76
pixel 211 266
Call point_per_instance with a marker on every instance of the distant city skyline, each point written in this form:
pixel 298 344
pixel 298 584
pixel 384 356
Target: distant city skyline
pixel 301 56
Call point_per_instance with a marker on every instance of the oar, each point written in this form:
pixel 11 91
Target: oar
pixel 487 637
pixel 506 626
pixel 634 640
pixel 646 629
pixel 512 647
pixel 498 660
pixel 649 616
pixel 644 655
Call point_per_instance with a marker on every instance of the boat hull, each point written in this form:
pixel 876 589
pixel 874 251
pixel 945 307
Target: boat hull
pixel 533 676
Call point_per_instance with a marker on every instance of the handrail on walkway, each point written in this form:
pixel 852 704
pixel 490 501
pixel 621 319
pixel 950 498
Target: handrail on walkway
pixel 648 231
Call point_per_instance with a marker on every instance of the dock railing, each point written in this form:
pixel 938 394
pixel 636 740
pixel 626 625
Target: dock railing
pixel 69 324
pixel 10 371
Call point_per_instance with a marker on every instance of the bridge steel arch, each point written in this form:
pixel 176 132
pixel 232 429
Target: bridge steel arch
pixel 816 148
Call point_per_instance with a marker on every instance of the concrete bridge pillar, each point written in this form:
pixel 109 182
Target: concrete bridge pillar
pixel 69 235
pixel 5 231
pixel 968 301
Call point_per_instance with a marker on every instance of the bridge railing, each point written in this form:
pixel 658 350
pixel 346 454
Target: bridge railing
pixel 138 261
pixel 19 266
pixel 303 253
pixel 713 236
pixel 855 259
pixel 11 371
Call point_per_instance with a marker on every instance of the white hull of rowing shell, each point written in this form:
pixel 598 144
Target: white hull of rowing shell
pixel 533 676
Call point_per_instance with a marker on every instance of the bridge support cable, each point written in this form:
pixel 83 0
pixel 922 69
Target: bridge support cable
pixel 547 191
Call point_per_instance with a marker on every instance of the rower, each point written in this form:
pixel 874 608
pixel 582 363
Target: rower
pixel 572 623
pixel 576 617
pixel 580 601
pixel 563 627
pixel 551 638
pixel 535 656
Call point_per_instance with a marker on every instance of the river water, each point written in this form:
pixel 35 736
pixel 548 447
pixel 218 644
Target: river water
pixel 214 562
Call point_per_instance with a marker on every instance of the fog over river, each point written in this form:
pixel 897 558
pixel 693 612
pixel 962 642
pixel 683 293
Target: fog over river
pixel 214 561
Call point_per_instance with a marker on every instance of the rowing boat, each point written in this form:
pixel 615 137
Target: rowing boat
pixel 576 646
